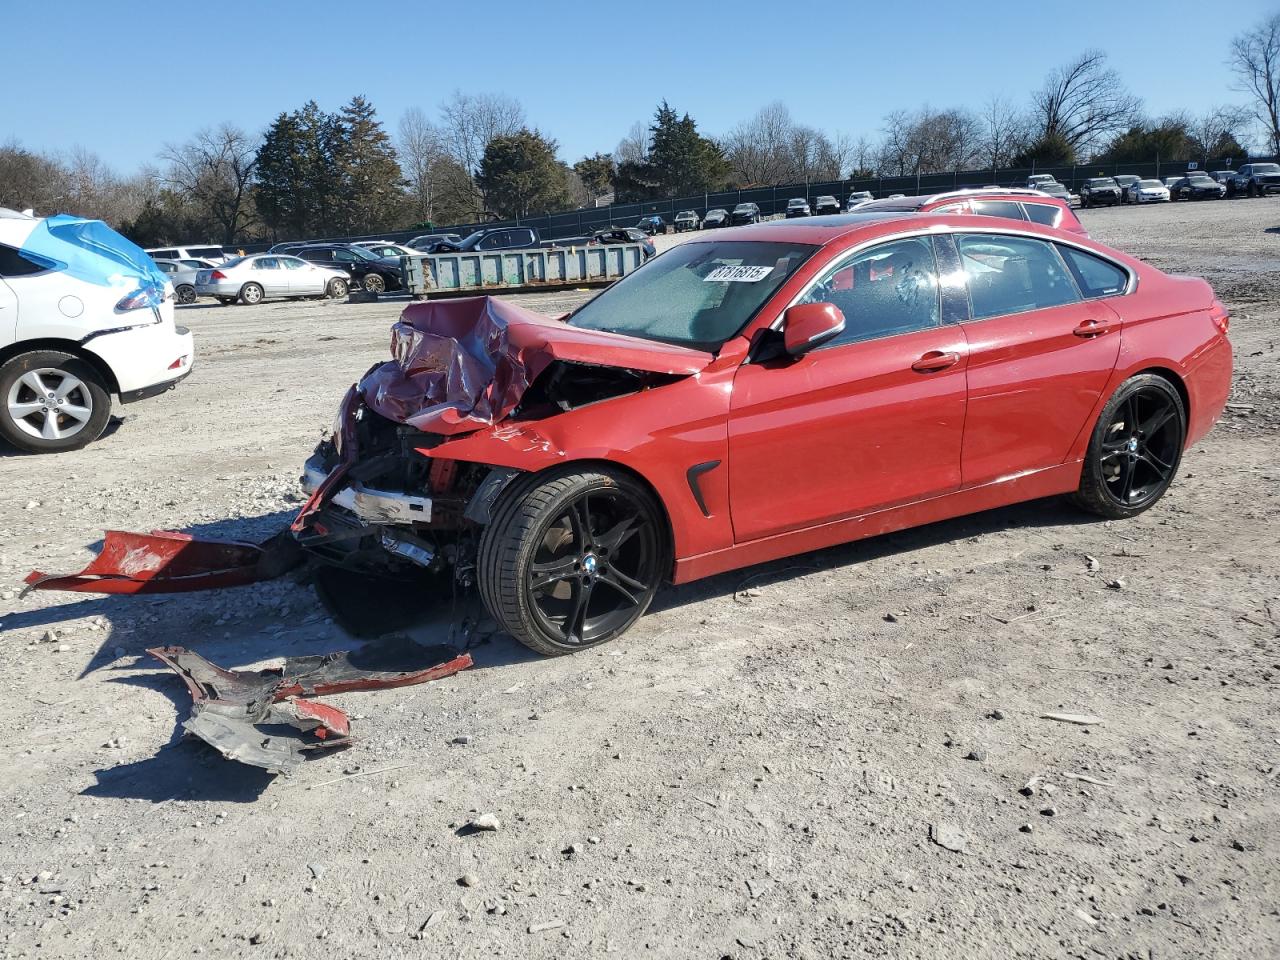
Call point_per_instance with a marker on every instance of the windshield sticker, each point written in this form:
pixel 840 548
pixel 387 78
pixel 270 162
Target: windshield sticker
pixel 737 274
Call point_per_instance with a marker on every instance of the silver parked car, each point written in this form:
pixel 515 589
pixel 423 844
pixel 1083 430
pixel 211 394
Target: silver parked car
pixel 182 274
pixel 857 198
pixel 385 248
pixel 262 276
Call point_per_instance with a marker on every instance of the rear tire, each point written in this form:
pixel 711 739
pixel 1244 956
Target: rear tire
pixel 251 294
pixel 33 421
pixel 572 558
pixel 337 289
pixel 1135 449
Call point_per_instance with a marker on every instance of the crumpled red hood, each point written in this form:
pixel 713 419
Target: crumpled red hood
pixel 464 364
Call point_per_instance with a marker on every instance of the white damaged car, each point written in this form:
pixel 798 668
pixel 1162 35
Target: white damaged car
pixel 84 314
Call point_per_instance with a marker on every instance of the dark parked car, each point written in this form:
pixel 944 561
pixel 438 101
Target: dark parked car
pixel 1223 177
pixel 623 235
pixel 686 220
pixel 745 213
pixel 715 218
pixel 1098 190
pixel 1125 182
pixel 428 241
pixel 1196 186
pixel 1255 180
pixel 375 274
pixel 799 207
pixel 652 225
pixel 825 204
pixel 492 238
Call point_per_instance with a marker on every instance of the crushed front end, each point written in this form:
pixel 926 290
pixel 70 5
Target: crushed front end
pixel 378 506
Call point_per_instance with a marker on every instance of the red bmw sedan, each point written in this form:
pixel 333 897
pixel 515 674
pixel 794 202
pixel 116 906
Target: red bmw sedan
pixel 759 392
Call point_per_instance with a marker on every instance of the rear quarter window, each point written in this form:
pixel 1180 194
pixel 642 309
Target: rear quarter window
pixel 15 264
pixel 1095 276
pixel 998 208
pixel 1045 213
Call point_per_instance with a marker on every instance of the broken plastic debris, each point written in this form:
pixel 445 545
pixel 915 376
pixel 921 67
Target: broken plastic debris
pixel 165 561
pixel 253 716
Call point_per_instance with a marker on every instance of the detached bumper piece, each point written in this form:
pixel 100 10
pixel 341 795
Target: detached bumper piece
pixel 168 562
pixel 255 716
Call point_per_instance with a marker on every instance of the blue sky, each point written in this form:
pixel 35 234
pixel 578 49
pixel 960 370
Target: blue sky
pixel 121 77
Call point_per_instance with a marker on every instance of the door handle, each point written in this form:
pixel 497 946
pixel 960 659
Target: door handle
pixel 1092 328
pixel 935 360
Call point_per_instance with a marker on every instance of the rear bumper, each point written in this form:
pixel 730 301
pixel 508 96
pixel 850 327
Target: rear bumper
pixel 151 358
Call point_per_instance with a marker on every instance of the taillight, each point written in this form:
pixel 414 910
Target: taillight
pixel 1220 317
pixel 217 275
pixel 147 295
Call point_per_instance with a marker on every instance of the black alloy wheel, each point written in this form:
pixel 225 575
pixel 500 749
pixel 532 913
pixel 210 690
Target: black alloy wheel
pixel 572 561
pixel 1135 449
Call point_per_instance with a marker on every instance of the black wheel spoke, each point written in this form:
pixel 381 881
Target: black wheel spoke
pixel 1155 463
pixel 616 580
pixel 1157 420
pixel 542 575
pixel 618 534
pixel 575 623
pixel 580 521
pixel 1126 479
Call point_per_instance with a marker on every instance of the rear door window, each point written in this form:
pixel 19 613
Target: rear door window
pixel 165 255
pixel 215 252
pixel 1096 277
pixel 1013 275
pixel 266 263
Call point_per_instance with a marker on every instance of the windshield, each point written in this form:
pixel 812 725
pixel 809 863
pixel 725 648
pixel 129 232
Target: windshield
pixel 694 295
pixel 1150 184
pixel 742 208
pixel 1102 182
pixel 1266 168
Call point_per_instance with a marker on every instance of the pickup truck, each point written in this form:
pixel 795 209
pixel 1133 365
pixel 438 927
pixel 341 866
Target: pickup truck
pixel 1254 180
pixel 491 238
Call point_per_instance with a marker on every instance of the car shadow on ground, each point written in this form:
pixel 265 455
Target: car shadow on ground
pixel 114 423
pixel 185 770
pixel 1048 512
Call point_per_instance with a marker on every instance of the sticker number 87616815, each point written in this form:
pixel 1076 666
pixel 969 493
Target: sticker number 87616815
pixel 737 274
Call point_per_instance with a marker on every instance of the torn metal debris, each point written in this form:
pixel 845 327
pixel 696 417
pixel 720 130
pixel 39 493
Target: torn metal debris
pixel 165 561
pixel 255 716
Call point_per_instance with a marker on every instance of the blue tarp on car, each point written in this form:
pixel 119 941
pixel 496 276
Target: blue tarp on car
pixel 91 251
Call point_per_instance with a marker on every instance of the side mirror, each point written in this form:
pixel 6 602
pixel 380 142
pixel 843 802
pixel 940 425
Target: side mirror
pixel 809 325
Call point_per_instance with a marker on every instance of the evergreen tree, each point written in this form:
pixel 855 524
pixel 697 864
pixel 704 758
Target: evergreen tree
pixel 680 161
pixel 370 196
pixel 519 174
pixel 298 183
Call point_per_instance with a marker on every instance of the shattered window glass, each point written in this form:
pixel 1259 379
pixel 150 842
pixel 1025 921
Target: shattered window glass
pixel 697 294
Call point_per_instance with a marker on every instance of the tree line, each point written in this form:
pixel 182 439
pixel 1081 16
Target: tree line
pixel 313 173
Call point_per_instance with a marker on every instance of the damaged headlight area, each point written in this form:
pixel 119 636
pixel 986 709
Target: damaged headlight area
pixel 378 505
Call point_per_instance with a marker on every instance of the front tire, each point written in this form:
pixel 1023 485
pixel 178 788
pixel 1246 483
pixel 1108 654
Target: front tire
pixel 1135 449
pixel 185 293
pixel 51 402
pixel 373 283
pixel 572 559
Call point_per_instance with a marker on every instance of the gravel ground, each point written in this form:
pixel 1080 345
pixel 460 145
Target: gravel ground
pixel 754 771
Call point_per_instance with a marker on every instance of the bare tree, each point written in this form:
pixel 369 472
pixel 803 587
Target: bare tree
pixel 1003 133
pixel 634 147
pixel 422 156
pixel 1083 102
pixel 469 121
pixel 771 148
pixel 929 141
pixel 1213 133
pixel 1255 58
pixel 213 173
